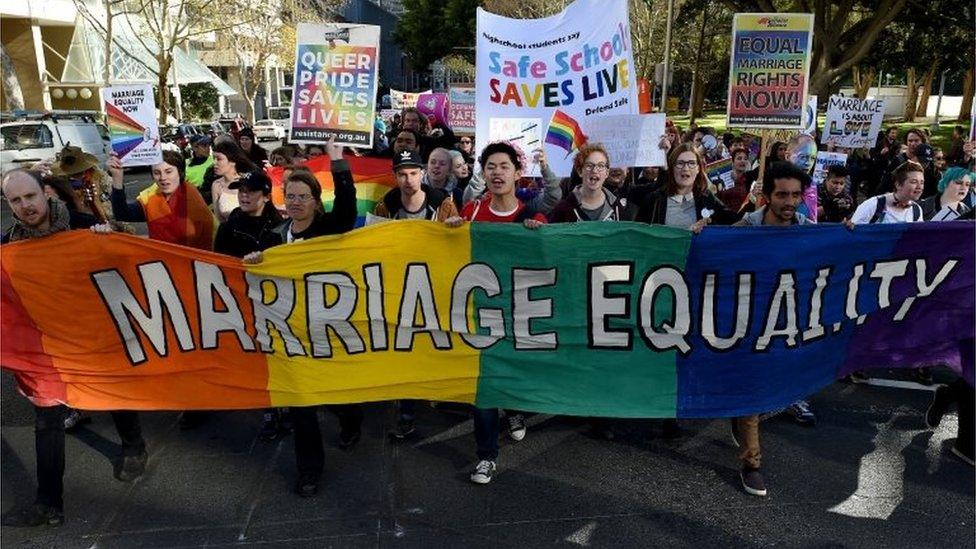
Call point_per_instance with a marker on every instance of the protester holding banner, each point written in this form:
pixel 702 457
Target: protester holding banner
pixel 685 201
pixel 538 202
pixel 502 168
pixel 36 216
pixel 899 206
pixel 303 198
pixel 953 189
pixel 783 188
pixel 230 161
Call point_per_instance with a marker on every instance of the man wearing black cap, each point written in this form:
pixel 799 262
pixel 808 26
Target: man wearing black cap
pixel 255 152
pixel 200 162
pixel 412 200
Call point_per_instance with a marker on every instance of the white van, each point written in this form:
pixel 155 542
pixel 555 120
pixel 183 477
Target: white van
pixel 32 138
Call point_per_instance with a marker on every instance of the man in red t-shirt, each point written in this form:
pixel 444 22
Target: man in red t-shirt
pixel 502 169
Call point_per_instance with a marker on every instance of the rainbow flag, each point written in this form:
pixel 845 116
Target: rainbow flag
pixel 126 133
pixel 564 132
pixel 373 177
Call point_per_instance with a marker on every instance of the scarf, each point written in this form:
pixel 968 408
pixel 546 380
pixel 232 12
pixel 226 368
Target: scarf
pixel 60 221
pixel 183 218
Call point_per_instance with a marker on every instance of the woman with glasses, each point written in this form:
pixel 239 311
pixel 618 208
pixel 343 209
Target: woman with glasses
pixel 308 219
pixel 685 200
pixel 589 199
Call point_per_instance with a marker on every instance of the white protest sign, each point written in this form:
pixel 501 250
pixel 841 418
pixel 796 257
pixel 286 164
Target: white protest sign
pixel 631 140
pixel 853 122
pixel 401 100
pixel 132 126
pixel 824 161
pixel 810 117
pixel 525 134
pixel 578 61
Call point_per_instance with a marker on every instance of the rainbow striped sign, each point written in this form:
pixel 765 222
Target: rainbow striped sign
pixel 131 115
pixel 769 70
pixel 335 84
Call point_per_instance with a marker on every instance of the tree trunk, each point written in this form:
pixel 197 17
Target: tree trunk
pixel 923 101
pixel 107 73
pixel 862 80
pixel 12 91
pixel 162 91
pixel 694 103
pixel 911 95
pixel 966 109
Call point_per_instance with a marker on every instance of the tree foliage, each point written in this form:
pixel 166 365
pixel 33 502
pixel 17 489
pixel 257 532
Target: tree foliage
pixel 199 100
pixel 431 29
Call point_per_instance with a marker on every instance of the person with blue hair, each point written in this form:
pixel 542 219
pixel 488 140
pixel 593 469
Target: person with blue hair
pixel 954 188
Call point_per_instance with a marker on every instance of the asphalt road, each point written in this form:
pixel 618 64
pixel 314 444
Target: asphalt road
pixel 868 475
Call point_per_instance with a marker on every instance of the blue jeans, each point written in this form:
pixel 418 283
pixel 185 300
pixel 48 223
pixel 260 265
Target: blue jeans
pixel 486 432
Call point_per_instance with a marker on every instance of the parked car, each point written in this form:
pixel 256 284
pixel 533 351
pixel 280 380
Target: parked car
pixel 232 123
pixel 210 129
pixel 268 130
pixel 28 138
pixel 179 135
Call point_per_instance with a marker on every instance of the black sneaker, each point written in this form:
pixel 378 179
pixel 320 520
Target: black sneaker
pixel 75 418
pixel 269 427
pixel 483 472
pixel 35 515
pixel 801 413
pixel 130 468
pixel 307 485
pixel 516 427
pixel 404 430
pixel 752 481
pixel 285 426
pixel 348 440
pixel 938 407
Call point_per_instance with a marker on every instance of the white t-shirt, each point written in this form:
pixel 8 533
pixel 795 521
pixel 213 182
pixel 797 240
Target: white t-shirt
pixel 866 211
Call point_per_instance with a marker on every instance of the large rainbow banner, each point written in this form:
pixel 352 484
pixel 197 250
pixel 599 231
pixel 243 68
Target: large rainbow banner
pixel 131 115
pixel 373 177
pixel 595 319
pixel 769 70
pixel 335 84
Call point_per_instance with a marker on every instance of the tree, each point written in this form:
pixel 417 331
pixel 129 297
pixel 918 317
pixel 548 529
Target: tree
pixel 199 100
pixel 11 84
pixel 704 54
pixel 431 29
pixel 844 32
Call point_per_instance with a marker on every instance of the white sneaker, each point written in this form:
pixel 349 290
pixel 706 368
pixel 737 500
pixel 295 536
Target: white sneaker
pixel 516 427
pixel 483 472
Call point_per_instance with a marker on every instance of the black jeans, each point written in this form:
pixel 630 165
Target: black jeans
pixel 309 453
pixel 49 448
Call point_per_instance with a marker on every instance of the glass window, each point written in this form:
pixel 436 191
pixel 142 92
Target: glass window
pixel 27 136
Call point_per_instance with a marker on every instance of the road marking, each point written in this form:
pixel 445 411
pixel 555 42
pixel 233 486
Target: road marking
pixel 881 476
pixel 933 454
pixel 582 536
pixel 898 384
